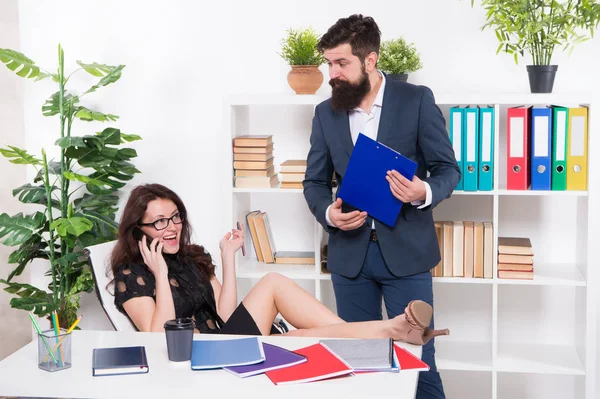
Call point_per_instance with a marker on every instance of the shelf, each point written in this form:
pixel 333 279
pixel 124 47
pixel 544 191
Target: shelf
pixel 276 99
pixel 441 97
pixel 464 356
pixel 255 269
pixel 542 193
pixel 274 190
pixel 462 280
pixel 550 274
pixel 538 193
pixel 539 359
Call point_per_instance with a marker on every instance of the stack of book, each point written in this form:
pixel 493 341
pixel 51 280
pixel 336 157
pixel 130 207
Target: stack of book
pixel 515 258
pixel 292 173
pixel 253 162
pixel 466 249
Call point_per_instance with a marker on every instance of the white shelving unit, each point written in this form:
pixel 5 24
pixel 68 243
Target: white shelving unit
pixel 511 338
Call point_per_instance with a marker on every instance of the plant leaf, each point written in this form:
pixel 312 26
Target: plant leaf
pixel 84 179
pixel 52 105
pixel 19 156
pixel 110 135
pixel 95 69
pixel 20 64
pixel 86 114
pixel 34 248
pixel 110 77
pixel 30 194
pixel 129 137
pixel 71 226
pixel 15 230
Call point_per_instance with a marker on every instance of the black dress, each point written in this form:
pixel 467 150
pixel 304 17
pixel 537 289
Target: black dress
pixel 193 296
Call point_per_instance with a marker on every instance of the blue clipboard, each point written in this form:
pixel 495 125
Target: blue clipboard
pixel 365 186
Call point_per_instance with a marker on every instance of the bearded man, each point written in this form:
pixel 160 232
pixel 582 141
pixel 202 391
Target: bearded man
pixel 368 259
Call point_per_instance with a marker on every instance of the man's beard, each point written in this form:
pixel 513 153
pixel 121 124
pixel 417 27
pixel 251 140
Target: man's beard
pixel 346 96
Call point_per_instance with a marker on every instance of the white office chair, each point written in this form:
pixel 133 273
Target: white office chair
pixel 99 260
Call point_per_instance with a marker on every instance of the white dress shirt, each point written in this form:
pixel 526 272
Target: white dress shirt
pixel 367 123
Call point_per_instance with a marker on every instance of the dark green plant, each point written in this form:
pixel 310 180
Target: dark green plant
pixel 538 27
pixel 299 47
pixel 398 57
pixel 77 192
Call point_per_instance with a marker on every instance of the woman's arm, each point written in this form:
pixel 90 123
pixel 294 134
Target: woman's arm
pixel 147 314
pixel 226 294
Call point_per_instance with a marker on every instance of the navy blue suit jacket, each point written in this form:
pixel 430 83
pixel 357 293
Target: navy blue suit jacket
pixel 412 124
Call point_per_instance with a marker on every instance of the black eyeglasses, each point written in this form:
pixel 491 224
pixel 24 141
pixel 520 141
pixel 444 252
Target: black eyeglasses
pixel 163 223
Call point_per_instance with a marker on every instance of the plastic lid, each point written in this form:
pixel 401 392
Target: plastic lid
pixel 179 324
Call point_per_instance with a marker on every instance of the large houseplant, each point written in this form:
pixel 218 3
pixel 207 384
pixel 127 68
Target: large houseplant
pixel 77 192
pixel 538 28
pixel 299 49
pixel 397 58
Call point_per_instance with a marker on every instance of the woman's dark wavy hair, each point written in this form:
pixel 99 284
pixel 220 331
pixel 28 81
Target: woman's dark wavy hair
pixel 126 249
pixel 362 33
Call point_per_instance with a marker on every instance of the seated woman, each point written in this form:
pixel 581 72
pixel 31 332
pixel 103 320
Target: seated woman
pixel 159 275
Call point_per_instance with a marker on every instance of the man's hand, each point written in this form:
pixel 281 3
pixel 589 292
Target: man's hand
pixel 345 221
pixel 404 189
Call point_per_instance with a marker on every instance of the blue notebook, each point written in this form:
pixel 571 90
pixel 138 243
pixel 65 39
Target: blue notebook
pixel 365 186
pixel 213 354
pixel 276 358
pixel 120 360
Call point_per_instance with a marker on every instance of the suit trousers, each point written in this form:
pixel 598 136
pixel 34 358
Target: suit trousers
pixel 359 299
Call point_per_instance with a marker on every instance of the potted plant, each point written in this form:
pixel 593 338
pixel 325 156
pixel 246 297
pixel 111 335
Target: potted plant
pixel 398 58
pixel 299 49
pixel 538 27
pixel 77 192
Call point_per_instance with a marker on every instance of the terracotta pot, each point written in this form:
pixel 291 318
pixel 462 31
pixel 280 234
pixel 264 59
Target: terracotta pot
pixel 305 79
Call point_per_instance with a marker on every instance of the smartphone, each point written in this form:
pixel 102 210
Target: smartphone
pixel 239 227
pixel 138 234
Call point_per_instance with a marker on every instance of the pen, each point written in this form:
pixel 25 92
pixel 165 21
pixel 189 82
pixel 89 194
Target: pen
pixel 239 227
pixel 57 333
pixel 37 328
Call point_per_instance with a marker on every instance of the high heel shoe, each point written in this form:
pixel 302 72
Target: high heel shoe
pixel 418 316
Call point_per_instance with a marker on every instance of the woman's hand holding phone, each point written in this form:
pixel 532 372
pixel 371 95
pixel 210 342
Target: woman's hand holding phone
pixel 152 255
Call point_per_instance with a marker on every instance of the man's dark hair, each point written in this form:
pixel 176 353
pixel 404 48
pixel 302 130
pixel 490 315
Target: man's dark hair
pixel 362 33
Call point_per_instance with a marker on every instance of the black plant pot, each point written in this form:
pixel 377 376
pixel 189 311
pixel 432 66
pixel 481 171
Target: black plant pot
pixel 399 77
pixel 541 78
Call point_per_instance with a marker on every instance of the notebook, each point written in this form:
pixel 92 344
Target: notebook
pixel 321 363
pixel 120 360
pixel 276 358
pixel 365 186
pixel 364 354
pixel 213 354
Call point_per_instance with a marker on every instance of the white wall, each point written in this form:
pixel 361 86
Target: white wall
pixel 182 57
pixel 15 327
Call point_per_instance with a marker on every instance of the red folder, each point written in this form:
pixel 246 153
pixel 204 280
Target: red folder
pixel 408 361
pixel 518 162
pixel 321 363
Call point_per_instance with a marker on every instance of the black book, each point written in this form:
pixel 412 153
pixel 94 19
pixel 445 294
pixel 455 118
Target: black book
pixel 121 360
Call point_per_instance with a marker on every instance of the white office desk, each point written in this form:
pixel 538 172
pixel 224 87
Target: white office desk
pixel 20 375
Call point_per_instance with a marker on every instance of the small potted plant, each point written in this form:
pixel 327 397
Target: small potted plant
pixel 398 58
pixel 538 28
pixel 299 49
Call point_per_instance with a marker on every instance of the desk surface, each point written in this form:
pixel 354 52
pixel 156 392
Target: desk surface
pixel 20 376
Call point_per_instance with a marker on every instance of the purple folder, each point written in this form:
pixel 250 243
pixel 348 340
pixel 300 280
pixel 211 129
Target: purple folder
pixel 275 358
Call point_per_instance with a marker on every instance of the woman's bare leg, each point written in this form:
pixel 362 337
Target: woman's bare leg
pixel 275 293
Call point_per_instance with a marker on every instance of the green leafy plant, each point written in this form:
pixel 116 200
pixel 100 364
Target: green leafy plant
pixel 299 47
pixel 77 192
pixel 539 26
pixel 398 57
